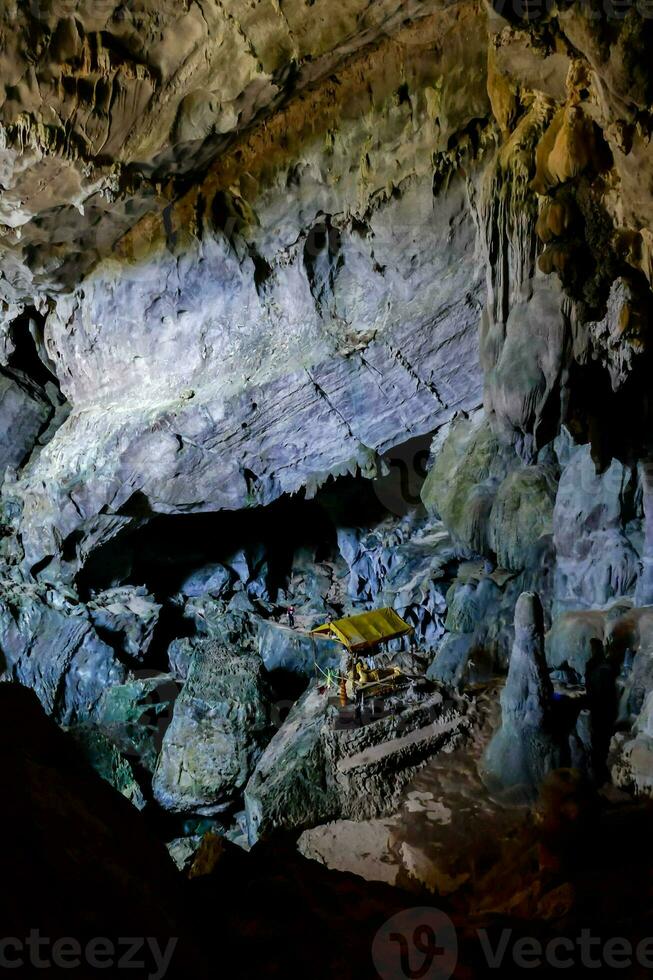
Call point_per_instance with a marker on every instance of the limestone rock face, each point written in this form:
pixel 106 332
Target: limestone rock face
pixel 312 771
pixel 102 106
pixel 461 486
pixel 319 264
pixel 631 637
pixel 480 608
pixel 521 514
pixel 202 427
pixel 219 724
pixel 568 643
pixel 403 564
pixel 632 755
pixel 595 533
pixel 48 643
pixel 281 648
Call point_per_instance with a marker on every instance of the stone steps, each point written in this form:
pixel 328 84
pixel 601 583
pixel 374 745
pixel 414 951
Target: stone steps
pixel 376 754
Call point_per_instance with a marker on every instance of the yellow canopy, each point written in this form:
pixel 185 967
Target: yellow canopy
pixel 367 629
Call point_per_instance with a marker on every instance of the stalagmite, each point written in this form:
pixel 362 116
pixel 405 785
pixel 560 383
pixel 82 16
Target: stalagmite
pixel 524 749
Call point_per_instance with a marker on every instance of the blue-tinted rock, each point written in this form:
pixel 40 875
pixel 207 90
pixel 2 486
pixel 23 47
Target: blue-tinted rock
pixel 213 579
pixel 135 715
pixel 451 661
pixel 109 763
pixel 297 652
pixel 525 748
pixel 127 618
pixel 220 723
pixel 48 643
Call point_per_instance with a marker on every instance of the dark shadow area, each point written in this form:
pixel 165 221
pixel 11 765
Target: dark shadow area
pixel 286 688
pixel 165 549
pixel 29 354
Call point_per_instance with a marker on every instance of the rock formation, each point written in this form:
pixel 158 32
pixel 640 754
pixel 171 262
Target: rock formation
pixel 214 738
pixel 525 747
pixel 326 305
pixel 311 773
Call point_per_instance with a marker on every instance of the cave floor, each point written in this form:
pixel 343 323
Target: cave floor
pixel 446 830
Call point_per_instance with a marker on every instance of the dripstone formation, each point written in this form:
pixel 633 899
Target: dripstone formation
pixel 524 749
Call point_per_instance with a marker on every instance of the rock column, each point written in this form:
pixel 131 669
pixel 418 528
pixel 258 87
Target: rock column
pixel 644 592
pixel 524 748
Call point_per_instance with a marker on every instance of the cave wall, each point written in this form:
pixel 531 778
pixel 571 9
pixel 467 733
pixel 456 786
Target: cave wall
pixel 309 304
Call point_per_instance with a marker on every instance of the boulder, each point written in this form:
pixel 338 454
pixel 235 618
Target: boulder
pixel 297 652
pixel 372 766
pixel 213 579
pixel 450 665
pixel 211 618
pixel 49 643
pixel 314 771
pixel 290 787
pixel 136 714
pixel 126 617
pixel 108 762
pixel 220 723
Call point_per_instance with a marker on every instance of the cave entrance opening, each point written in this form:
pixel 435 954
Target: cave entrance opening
pixel 168 550
pixel 165 551
pixel 27 349
pixel 269 556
